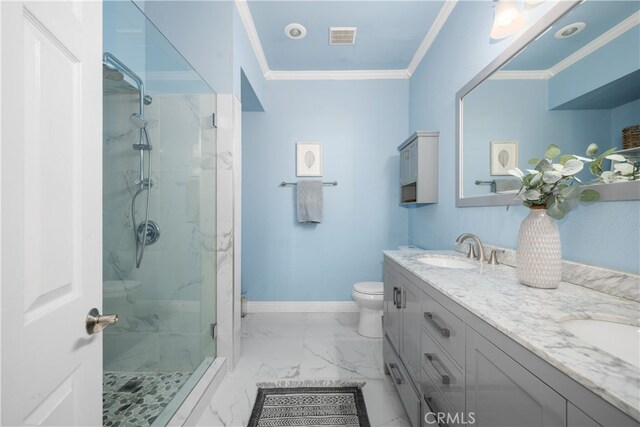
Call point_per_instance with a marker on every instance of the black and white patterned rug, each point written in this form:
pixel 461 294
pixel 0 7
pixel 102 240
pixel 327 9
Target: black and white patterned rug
pixel 309 406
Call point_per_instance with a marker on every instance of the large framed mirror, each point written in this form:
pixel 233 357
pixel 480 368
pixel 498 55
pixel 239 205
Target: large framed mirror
pixel 572 79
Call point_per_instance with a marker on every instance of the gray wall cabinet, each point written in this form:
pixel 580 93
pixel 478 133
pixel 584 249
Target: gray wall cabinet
pixel 442 358
pixel 419 168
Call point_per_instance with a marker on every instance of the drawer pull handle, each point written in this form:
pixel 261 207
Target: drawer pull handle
pixel 399 379
pixel 432 405
pixel 435 362
pixel 444 331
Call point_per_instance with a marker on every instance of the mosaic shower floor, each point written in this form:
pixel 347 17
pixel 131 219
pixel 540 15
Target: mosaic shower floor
pixel 137 398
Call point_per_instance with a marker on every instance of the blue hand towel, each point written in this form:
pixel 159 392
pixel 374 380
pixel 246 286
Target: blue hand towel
pixel 309 201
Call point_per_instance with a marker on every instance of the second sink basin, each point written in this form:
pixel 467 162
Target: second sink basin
pixel 618 339
pixel 446 262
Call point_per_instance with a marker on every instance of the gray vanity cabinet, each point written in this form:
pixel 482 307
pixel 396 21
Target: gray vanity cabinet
pixel 410 338
pixel 501 392
pixel 391 309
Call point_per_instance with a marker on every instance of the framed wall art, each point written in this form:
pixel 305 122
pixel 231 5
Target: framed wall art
pixel 308 159
pixel 504 156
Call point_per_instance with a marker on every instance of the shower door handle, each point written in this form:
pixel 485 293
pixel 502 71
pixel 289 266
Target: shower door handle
pixel 96 322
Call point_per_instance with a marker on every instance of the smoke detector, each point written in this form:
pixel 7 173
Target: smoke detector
pixel 295 31
pixel 342 36
pixel 570 30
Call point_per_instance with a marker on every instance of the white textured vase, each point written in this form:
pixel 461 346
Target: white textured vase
pixel 539 256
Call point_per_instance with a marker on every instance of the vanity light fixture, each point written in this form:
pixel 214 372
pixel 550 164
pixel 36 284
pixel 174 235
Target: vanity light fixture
pixel 507 20
pixel 569 30
pixel 295 31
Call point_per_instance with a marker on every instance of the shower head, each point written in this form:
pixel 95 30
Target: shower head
pixel 138 121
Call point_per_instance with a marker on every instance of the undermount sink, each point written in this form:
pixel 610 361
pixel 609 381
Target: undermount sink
pixel 618 339
pixel 446 262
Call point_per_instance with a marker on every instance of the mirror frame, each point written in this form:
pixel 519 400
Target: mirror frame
pixel 608 192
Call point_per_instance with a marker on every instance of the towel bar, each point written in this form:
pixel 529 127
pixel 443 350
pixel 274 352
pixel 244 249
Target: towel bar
pixel 288 184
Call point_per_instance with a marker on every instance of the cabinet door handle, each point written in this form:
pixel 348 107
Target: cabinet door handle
pixel 399 379
pixel 395 296
pixel 432 405
pixel 445 332
pixel 404 299
pixel 398 294
pixel 435 362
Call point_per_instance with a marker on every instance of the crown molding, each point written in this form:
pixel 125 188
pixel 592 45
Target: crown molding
pixel 252 33
pixel 576 56
pixel 433 32
pixel 338 75
pixel 520 75
pixel 596 44
pixel 403 74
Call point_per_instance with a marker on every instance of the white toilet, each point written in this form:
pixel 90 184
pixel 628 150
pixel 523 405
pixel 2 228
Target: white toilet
pixel 369 296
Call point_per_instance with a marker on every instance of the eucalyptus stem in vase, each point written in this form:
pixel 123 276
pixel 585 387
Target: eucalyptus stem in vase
pixel 550 190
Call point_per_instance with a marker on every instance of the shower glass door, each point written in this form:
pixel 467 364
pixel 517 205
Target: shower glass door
pixel 163 341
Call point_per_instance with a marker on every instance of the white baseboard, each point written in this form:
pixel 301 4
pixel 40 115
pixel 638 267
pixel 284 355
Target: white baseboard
pixel 302 307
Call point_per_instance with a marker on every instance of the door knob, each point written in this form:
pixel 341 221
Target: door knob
pixel 96 322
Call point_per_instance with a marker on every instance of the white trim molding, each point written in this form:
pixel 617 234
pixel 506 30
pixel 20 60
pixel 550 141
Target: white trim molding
pixel 576 56
pixel 302 307
pixel 402 74
pixel 252 33
pixel 520 75
pixel 338 75
pixel 597 43
pixel 433 32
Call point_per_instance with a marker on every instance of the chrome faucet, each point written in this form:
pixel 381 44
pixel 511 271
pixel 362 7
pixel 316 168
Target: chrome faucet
pixel 473 253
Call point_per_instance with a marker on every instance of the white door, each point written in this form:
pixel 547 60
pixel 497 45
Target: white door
pixel 51 186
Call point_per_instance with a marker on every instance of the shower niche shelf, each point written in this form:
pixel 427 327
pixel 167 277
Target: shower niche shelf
pixel 419 169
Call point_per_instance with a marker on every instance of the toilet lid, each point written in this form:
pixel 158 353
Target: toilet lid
pixel 371 288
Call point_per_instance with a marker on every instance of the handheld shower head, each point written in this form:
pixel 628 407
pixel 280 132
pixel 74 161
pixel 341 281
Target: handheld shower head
pixel 138 121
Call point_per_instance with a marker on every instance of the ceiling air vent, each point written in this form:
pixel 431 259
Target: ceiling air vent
pixel 341 36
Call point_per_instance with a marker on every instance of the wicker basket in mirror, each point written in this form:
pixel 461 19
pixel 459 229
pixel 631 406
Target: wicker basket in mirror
pixel 631 137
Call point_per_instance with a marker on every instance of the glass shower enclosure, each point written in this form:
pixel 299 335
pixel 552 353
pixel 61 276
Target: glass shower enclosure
pixel 159 181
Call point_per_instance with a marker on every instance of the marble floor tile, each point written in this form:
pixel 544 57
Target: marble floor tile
pixel 297 347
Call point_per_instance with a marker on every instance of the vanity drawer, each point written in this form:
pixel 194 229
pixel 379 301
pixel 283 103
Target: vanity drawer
pixel 400 379
pixel 434 405
pixel 444 372
pixel 444 327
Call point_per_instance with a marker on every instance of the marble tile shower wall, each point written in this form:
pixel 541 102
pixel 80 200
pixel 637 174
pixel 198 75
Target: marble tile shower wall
pixel 164 322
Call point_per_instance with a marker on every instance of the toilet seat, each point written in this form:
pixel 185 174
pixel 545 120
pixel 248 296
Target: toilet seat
pixel 369 288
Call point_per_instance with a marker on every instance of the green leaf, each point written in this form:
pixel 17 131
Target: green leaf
pixel 589 195
pixel 551 177
pixel 544 165
pixel 537 179
pixel 534 161
pixel 592 150
pixel 552 152
pixel 571 191
pixel 616 158
pixel 572 167
pixel 565 158
pixel 532 195
pixel 556 211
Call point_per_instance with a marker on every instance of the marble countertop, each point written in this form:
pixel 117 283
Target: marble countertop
pixel 532 317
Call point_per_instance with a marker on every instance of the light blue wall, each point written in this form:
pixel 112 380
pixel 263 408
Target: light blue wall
pixel 210 35
pixel 203 33
pixel 360 124
pixel 603 234
pixel 517 110
pixel 621 117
